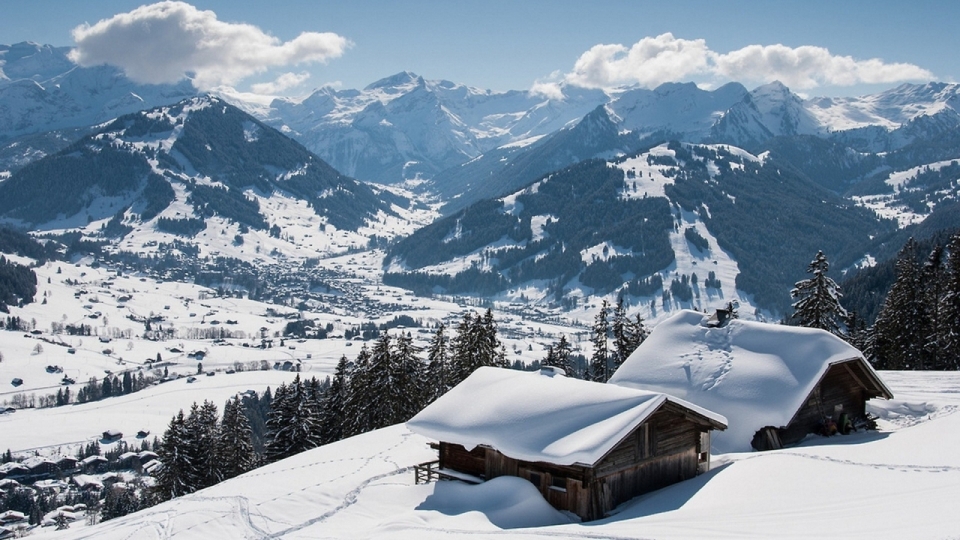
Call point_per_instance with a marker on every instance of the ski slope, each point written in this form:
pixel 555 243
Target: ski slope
pixel 900 482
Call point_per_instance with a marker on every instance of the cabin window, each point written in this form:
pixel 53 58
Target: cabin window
pixel 559 484
pixel 535 479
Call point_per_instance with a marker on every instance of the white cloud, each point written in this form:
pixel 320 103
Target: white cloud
pixel 283 82
pixel 650 62
pixel 548 89
pixel 810 67
pixel 665 58
pixel 167 41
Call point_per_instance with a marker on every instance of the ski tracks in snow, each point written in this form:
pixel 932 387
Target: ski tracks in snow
pixel 351 497
pixel 887 466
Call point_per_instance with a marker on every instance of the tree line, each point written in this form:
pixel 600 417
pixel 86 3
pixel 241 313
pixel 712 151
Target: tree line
pixel 918 325
pixel 384 385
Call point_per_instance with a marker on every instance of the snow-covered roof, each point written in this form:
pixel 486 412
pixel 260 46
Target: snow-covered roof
pixel 84 481
pixel 93 459
pixel 34 462
pixel 13 466
pixel 755 374
pixel 542 416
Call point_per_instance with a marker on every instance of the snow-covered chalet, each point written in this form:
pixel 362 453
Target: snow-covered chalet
pixel 586 446
pixel 775 384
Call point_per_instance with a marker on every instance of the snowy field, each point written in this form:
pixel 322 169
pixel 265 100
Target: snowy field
pixel 900 482
pixel 77 295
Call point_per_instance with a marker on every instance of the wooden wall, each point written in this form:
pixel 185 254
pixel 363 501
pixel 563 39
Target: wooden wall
pixel 840 391
pixel 669 454
pixel 456 457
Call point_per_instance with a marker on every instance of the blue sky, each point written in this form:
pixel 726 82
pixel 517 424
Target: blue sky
pixel 505 45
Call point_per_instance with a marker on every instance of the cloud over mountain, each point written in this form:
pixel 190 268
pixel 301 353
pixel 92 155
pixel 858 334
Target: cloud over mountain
pixel 665 58
pixel 167 41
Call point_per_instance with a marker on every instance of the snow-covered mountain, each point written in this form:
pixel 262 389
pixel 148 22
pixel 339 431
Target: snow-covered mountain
pixel 888 109
pixel 42 90
pixel 404 127
pixel 674 225
pixel 407 127
pixel 195 168
pixel 682 109
pixel 769 111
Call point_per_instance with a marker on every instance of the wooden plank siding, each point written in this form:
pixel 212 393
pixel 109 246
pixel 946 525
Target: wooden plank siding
pixel 841 390
pixel 456 457
pixel 663 450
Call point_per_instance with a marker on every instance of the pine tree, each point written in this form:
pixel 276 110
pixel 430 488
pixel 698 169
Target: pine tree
pixel 379 408
pixel 551 359
pixel 292 424
pixel 235 445
pixel 932 279
pixel 950 307
pixel 619 329
pixel 438 368
pixel 62 521
pixel 207 435
pixel 178 470
pixel 899 329
pixel 562 351
pixel 858 334
pixel 492 352
pixel 119 501
pixel 462 351
pixel 355 419
pixel 406 390
pixel 818 299
pixel 475 345
pixel 314 390
pixel 334 403
pixel 627 334
pixel 599 361
pixel 636 333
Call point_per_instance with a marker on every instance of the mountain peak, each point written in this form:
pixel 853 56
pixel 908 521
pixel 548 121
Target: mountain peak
pixel 775 87
pixel 403 78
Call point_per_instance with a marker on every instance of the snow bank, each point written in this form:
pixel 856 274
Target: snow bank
pixel 753 373
pixel 507 502
pixel 540 416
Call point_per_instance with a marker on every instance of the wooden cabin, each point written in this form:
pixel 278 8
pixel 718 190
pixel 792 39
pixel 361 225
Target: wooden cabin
pixel 774 383
pixel 839 396
pixel 588 447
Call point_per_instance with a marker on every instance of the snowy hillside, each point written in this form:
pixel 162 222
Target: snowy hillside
pixel 673 226
pixel 200 169
pixel 895 483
